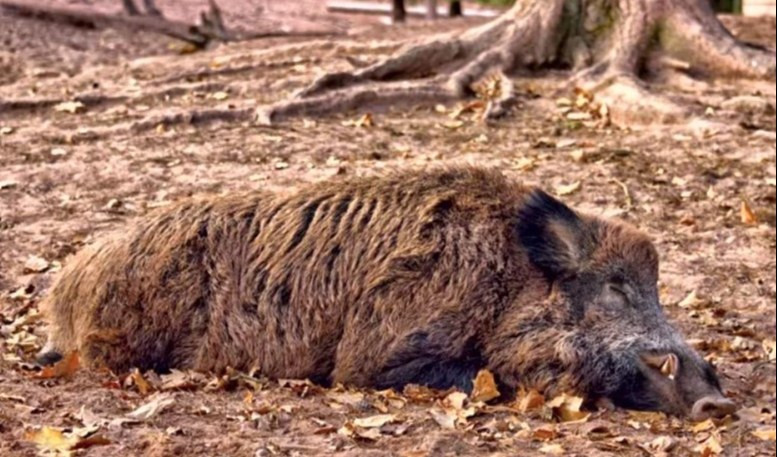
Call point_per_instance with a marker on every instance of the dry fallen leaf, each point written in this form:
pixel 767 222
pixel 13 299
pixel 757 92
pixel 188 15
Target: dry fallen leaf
pixel 445 419
pixel 710 446
pixel 375 421
pixel 65 368
pixel 661 444
pixel 484 388
pixel 346 398
pixel 691 301
pixel 7 184
pixel 220 95
pixel 6 130
pixel 35 264
pixel 156 404
pixel 525 164
pixel 703 426
pixel 765 434
pixel 770 347
pixel 568 189
pixel 567 408
pixel 364 121
pixel 747 215
pixel 552 449
pixel 349 430
pixel 51 440
pixel 545 433
pixel 71 107
pixel 455 400
pixel 140 382
pixel 530 401
pixel 462 108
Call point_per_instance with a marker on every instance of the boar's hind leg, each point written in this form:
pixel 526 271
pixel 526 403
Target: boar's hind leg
pixel 421 360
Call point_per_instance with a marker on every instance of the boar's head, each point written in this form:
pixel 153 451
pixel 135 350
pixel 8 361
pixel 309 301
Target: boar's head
pixel 618 343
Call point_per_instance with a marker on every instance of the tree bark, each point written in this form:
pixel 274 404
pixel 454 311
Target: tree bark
pixel 398 12
pixel 431 9
pixel 604 43
pixel 455 9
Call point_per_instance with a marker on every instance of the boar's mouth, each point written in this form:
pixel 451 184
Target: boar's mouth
pixel 677 384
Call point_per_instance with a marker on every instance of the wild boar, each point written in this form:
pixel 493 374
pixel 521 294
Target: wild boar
pixel 417 277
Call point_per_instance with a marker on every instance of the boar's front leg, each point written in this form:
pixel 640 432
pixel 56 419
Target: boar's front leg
pixel 441 355
pixel 430 358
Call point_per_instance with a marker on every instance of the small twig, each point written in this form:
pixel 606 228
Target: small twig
pixel 626 194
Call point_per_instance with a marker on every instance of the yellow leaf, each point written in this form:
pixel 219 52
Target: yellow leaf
pixel 703 426
pixel 525 164
pixel 220 95
pixel 567 408
pixel 453 125
pixel 375 421
pixel 52 440
pixel 770 347
pixel 711 446
pixel 747 214
pixel 568 189
pixel 484 387
pixel 455 400
pixel 70 107
pixel 531 401
pixel 365 121
pixel 691 301
pixel 140 382
pixel 552 449
pixel 765 434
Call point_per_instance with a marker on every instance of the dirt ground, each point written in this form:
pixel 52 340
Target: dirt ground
pixel 69 172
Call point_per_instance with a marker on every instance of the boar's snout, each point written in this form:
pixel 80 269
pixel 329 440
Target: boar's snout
pixel 712 406
pixel 680 383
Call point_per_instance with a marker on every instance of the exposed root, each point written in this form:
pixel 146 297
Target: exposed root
pixel 416 61
pixel 697 36
pixel 629 101
pixel 210 29
pixel 434 90
pixel 94 100
pixel 193 117
pixel 206 73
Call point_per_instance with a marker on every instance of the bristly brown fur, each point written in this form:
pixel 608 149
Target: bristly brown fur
pixel 418 277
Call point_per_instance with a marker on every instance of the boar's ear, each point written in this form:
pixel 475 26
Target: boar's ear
pixel 555 237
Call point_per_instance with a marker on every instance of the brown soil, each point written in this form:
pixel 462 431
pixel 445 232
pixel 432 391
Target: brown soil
pixel 65 178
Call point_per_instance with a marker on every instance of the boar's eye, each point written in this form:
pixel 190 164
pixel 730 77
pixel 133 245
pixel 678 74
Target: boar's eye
pixel 619 290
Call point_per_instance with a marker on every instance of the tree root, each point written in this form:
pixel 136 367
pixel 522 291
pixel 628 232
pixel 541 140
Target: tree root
pixel 434 90
pixel 192 117
pixel 710 47
pixel 540 32
pixel 210 29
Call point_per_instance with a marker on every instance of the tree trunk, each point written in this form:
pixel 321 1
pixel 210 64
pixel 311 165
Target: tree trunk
pixel 130 8
pixel 431 9
pixel 398 13
pixel 455 9
pixel 151 8
pixel 605 43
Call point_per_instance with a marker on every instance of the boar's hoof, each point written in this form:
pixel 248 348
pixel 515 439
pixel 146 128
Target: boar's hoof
pixel 713 406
